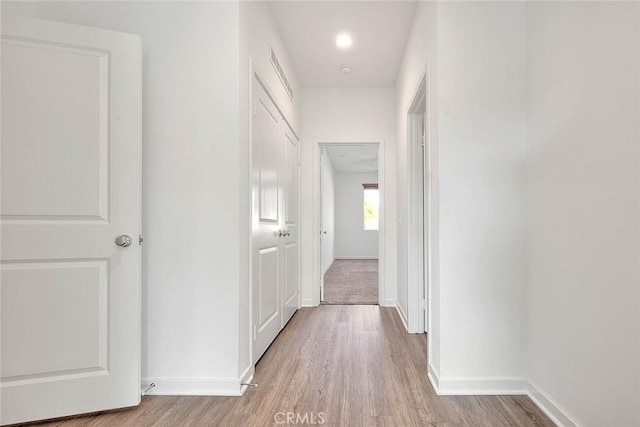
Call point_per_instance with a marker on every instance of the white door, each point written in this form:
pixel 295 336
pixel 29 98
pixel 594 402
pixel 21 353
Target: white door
pixel 275 250
pixel 267 200
pixel 290 249
pixel 71 184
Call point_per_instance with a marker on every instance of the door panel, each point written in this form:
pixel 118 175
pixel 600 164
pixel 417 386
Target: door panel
pixel 291 166
pixel 71 104
pixel 268 305
pixel 291 264
pixel 291 279
pixel 266 219
pixel 71 183
pixel 54 319
pixel 266 123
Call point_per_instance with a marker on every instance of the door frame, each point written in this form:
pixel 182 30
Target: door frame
pixel 317 283
pixel 419 224
pixel 255 75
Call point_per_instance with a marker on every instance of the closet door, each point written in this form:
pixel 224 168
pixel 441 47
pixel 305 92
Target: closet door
pixel 275 220
pixel 266 188
pixel 290 277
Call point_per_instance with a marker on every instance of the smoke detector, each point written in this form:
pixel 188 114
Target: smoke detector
pixel 346 69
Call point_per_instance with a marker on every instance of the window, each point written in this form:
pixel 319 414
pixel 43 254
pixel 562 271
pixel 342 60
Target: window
pixel 371 206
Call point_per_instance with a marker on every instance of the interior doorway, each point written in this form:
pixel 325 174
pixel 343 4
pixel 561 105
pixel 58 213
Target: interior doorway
pixel 349 216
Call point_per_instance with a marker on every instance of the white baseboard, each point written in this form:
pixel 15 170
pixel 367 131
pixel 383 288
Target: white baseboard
pixel 403 316
pixel 501 386
pixel 328 267
pixel 388 303
pixel 194 386
pixel 433 377
pixel 307 302
pixel 201 386
pixel 246 377
pixel 481 386
pixel 356 257
pixel 442 386
pixel 549 407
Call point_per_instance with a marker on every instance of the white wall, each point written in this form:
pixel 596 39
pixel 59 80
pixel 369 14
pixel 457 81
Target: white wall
pixel 482 189
pixel 328 215
pixel 477 129
pixel 420 59
pixel 257 35
pixel 190 164
pixel 353 115
pixel 196 111
pixel 352 240
pixel 584 174
pixel 538 259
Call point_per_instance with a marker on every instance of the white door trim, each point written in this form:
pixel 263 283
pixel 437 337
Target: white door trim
pixel 419 218
pixel 316 242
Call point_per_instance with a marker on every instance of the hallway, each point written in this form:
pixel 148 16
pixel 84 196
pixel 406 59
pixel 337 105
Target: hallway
pixel 351 281
pixel 177 178
pixel 354 364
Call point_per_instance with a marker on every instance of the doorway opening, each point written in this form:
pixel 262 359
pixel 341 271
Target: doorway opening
pixel 350 223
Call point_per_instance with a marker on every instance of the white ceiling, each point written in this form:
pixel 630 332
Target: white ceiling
pixel 379 30
pixel 353 158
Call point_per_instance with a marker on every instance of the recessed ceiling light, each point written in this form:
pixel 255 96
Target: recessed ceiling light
pixel 346 69
pixel 344 41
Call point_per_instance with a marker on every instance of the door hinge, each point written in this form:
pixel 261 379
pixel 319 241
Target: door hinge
pixel 140 240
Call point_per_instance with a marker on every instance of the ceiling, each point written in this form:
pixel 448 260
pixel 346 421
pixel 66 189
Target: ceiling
pixel 353 158
pixel 379 30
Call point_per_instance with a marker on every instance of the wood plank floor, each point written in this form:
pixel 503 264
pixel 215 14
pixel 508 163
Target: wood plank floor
pixel 355 364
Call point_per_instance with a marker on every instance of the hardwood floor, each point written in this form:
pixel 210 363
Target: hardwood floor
pixel 351 281
pixel 354 364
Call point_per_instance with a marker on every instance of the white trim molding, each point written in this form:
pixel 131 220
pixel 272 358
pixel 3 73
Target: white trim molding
pixel 403 316
pixel 433 377
pixel 246 377
pixel 194 386
pixel 500 386
pixel 418 215
pixel 486 386
pixel 328 267
pixel 308 302
pixel 200 386
pixel 549 407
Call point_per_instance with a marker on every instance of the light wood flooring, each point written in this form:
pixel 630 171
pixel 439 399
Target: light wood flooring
pixel 355 364
pixel 351 281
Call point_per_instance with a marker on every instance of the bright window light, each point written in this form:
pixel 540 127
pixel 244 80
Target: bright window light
pixel 371 207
